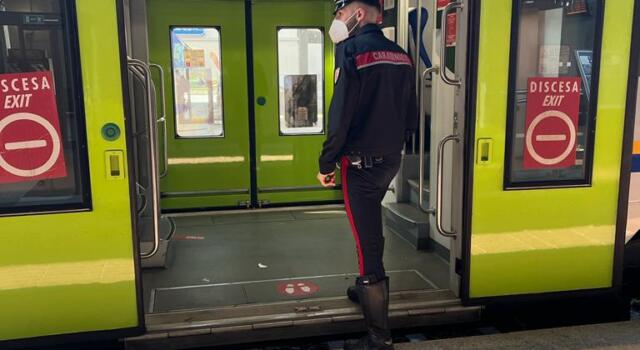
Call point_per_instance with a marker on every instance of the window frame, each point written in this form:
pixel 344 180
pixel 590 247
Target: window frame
pixel 71 46
pixel 586 181
pixel 176 136
pixel 324 83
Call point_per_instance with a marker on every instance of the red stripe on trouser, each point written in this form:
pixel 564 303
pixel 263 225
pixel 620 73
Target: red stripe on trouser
pixel 356 236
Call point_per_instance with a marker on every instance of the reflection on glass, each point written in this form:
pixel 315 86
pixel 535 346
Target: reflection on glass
pixel 34 38
pixel 552 116
pixel 301 68
pixel 585 61
pixel 197 78
pixel 301 100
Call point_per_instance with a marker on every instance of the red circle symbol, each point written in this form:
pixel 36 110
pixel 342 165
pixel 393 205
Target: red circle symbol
pixel 550 141
pixel 297 288
pixel 30 145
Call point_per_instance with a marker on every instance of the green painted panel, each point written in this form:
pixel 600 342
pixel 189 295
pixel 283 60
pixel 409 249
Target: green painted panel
pixel 296 162
pixel 80 308
pixel 205 164
pixel 74 272
pixel 546 240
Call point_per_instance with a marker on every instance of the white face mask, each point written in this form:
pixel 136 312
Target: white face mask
pixel 339 30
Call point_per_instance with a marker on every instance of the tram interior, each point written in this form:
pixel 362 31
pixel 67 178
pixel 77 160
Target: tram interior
pixel 215 258
pixel 221 260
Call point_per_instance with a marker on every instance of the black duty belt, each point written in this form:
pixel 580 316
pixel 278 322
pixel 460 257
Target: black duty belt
pixel 361 161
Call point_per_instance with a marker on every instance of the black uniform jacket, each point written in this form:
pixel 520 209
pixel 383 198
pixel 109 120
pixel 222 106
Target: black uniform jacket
pixel 373 110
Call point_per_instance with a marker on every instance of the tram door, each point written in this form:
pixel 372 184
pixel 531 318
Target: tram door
pixel 542 183
pixel 201 46
pixel 67 256
pixel 293 85
pixel 224 150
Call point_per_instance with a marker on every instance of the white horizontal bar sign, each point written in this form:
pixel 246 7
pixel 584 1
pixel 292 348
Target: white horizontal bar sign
pixel 206 160
pixel 12 146
pixel 276 158
pixel 546 138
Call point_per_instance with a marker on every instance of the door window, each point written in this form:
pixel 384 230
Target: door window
pixel 197 81
pixel 553 93
pixel 301 83
pixel 43 148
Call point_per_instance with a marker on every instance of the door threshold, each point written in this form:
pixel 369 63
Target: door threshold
pixel 255 210
pixel 294 319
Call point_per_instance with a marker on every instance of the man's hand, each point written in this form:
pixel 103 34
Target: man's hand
pixel 327 180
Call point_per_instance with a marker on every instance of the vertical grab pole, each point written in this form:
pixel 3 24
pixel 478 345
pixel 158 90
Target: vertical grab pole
pixel 136 65
pixel 422 135
pixel 418 43
pixel 163 121
pixel 440 187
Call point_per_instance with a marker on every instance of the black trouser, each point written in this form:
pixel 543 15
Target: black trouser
pixel 363 191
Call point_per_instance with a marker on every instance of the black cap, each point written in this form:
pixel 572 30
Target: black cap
pixel 342 3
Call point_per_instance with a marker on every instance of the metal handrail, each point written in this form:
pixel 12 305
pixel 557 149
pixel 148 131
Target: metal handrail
pixel 140 77
pixel 443 44
pixel 140 191
pixel 422 134
pixel 418 44
pixel 163 120
pixel 416 60
pixel 439 187
pixel 141 69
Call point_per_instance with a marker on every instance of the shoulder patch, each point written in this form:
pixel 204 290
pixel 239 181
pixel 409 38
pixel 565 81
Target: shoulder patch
pixel 373 58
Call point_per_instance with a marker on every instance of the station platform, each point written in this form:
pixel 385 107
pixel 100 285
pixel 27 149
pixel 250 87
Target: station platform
pixel 607 336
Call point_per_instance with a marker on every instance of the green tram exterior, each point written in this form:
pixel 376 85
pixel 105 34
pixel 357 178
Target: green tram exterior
pixel 69 243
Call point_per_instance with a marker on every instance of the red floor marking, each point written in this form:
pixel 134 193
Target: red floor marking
pixel 297 288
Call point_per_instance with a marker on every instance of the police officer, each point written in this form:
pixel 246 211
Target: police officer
pixel 372 114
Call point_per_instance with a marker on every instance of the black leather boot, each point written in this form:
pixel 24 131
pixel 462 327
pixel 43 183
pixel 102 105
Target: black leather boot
pixel 352 294
pixel 374 300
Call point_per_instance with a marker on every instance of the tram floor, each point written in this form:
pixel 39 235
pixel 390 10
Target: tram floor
pixel 263 257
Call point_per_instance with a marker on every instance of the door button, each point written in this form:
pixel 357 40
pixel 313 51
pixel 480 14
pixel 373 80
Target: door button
pixel 262 101
pixel 111 132
pixel 485 148
pixel 115 165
